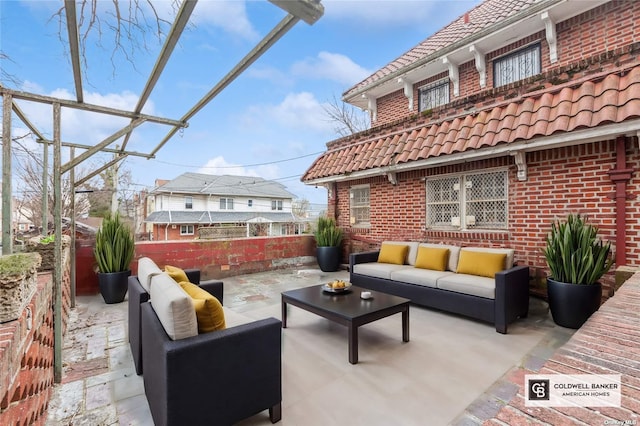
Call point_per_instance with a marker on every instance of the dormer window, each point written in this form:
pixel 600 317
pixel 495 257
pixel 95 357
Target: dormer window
pixel 517 65
pixel 434 94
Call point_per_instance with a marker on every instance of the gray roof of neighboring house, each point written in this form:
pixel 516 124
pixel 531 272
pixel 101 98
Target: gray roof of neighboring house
pixel 206 217
pixel 227 185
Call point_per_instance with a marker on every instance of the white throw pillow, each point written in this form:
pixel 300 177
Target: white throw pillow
pixel 147 268
pixel 173 307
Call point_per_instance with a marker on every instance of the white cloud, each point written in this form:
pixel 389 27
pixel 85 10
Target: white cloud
pixel 388 13
pixel 231 16
pixel 331 66
pixel 296 111
pixel 219 166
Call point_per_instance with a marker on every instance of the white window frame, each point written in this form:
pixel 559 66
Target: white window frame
pixel 188 202
pixel 462 201
pixel 518 60
pixel 276 205
pixel 187 230
pixel 432 95
pixel 249 203
pixel 355 205
pixel 226 203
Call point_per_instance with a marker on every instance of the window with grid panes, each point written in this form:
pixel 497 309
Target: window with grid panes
pixel 471 201
pixel 516 66
pixel 434 94
pixel 226 203
pixel 359 205
pixel 186 229
pixel 188 203
pixel 276 204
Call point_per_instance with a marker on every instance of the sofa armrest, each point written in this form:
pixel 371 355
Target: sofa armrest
pixel 214 378
pixel 215 288
pixel 363 257
pixel 512 296
pixel 137 295
pixel 193 275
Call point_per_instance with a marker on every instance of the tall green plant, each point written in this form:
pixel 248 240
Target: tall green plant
pixel 114 245
pixel 327 233
pixel 574 253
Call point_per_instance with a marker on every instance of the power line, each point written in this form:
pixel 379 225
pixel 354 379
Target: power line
pixel 236 166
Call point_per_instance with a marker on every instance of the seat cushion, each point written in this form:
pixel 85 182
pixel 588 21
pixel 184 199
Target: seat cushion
pixel 469 284
pixel 424 277
pixel 176 273
pixel 147 268
pixel 173 307
pixel 393 253
pixel 208 309
pixel 481 263
pixel 435 258
pixel 378 270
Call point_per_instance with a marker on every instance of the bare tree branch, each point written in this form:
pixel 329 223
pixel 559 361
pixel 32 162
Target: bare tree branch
pixel 347 119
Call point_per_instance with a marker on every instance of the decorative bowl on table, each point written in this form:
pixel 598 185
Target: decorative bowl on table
pixel 337 286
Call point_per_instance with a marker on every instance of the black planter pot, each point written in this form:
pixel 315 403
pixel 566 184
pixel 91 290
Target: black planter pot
pixel 571 305
pixel 113 285
pixel 328 258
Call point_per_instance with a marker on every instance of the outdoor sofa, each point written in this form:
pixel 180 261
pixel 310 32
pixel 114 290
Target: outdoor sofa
pixel 139 293
pixel 476 282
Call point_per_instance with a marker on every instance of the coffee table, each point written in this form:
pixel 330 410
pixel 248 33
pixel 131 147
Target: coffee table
pixel 348 309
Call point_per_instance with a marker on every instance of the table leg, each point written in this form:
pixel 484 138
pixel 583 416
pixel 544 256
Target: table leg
pixel 353 344
pixel 405 325
pixel 284 314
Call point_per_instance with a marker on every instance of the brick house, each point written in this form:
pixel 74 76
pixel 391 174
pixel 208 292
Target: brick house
pixel 196 205
pixel 513 115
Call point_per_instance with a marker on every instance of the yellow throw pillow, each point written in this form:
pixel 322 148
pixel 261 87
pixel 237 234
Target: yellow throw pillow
pixel 432 258
pixel 393 253
pixel 481 263
pixel 176 273
pixel 209 312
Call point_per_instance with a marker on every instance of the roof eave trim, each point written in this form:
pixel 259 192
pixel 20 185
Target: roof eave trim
pixel 576 137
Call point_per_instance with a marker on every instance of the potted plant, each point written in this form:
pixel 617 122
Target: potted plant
pixel 577 259
pixel 114 252
pixel 328 239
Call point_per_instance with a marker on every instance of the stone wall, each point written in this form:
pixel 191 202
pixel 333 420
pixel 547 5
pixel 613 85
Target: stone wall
pixel 27 354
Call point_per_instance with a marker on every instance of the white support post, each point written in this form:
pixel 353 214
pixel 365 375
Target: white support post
pixel 453 75
pixel 372 106
pixel 481 65
pixel 550 30
pixel 520 158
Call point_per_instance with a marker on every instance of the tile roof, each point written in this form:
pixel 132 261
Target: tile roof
pixel 206 217
pixel 480 17
pixel 612 98
pixel 227 185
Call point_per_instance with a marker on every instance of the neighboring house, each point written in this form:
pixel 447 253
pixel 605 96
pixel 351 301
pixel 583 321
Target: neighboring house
pixel 195 205
pixel 513 115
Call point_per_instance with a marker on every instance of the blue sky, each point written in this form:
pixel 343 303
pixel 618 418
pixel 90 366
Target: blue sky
pixel 269 122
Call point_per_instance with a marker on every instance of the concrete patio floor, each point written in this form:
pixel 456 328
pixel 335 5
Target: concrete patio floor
pixel 451 372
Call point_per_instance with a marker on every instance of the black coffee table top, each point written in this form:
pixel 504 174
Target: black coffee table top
pixel 347 304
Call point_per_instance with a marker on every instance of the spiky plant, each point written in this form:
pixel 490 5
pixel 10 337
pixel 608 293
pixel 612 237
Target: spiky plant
pixel 114 245
pixel 574 253
pixel 327 233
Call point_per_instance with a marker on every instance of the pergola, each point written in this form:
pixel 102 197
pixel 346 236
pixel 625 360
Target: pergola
pixel 307 10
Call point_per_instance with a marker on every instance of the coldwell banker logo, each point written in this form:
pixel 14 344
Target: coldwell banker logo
pixel 538 389
pixel 577 390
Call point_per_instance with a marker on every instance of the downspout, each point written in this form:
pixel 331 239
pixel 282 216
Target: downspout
pixel 621 175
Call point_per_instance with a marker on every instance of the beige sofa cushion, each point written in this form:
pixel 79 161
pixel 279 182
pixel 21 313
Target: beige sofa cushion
pixel 412 252
pixel 454 254
pixel 147 268
pixel 378 270
pixel 425 277
pixel 173 307
pixel 469 284
pixel 508 263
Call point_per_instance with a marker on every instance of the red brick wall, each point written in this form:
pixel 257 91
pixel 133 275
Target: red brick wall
pixel 560 181
pixel 219 259
pixel 26 355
